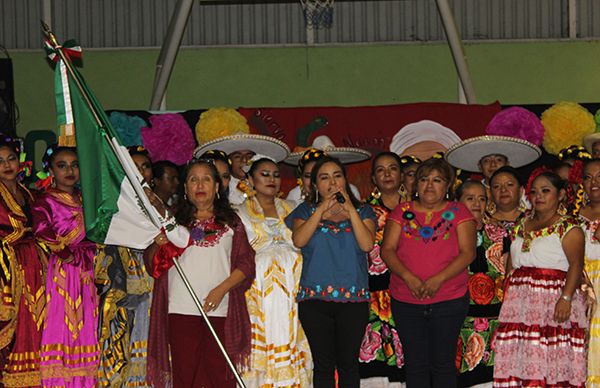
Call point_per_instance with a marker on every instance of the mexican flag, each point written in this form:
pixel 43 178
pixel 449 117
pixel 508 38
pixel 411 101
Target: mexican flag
pixel 116 209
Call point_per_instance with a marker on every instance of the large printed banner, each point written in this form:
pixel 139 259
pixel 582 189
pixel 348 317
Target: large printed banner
pixel 371 128
pixel 171 135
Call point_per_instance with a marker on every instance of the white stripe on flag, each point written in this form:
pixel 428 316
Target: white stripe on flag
pixel 69 122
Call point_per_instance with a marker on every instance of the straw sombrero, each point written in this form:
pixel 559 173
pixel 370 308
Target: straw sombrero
pixel 344 154
pixel 467 153
pixel 260 144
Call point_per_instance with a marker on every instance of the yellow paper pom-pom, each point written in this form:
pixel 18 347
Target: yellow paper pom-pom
pixel 219 122
pixel 565 124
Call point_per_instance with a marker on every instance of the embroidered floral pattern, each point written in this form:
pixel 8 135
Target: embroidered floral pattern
pixel 334 227
pixel 486 282
pixel 207 233
pixel 334 293
pixel 376 264
pixel 381 328
pixel 481 288
pixel 474 343
pixel 560 227
pixel 427 232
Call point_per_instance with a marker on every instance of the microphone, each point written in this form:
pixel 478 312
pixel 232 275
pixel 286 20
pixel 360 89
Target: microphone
pixel 339 197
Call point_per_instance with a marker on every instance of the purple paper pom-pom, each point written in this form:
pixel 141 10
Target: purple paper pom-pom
pixel 517 122
pixel 169 137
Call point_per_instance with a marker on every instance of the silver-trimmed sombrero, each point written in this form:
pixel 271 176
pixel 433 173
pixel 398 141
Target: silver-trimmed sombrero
pixel 467 153
pixel 344 154
pixel 589 140
pixel 261 144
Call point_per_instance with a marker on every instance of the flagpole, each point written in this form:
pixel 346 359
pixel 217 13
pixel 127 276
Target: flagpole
pixel 50 35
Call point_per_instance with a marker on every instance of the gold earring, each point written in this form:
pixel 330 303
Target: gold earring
pixel 491 207
pixel 562 209
pixel 376 193
pixel 403 193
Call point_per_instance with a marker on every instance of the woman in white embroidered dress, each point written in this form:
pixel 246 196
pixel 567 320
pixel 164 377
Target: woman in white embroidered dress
pixel 280 353
pixel 540 339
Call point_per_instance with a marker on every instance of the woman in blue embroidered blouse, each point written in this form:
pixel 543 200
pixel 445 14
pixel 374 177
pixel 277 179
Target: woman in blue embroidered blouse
pixel 335 236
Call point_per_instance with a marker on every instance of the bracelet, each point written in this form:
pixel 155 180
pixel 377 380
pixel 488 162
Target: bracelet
pixel 566 297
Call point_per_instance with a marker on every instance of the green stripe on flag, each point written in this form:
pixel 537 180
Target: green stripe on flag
pixel 100 170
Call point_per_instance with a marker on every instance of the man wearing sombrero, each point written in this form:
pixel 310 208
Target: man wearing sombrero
pixel 486 154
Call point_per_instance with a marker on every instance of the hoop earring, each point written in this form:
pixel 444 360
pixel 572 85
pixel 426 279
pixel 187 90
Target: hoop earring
pixel 218 195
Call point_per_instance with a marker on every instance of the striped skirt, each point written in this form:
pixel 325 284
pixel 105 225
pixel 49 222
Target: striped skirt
pixel 532 349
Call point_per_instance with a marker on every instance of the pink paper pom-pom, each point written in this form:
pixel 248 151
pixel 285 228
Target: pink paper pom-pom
pixel 169 137
pixel 517 122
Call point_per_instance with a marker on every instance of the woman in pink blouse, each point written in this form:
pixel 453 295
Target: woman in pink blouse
pixel 428 244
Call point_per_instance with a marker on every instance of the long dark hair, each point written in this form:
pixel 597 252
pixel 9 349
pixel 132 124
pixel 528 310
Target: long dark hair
pixel 315 173
pixel 224 213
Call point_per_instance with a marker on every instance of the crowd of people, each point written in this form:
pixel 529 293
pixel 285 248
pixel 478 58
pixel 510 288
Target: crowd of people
pixel 455 271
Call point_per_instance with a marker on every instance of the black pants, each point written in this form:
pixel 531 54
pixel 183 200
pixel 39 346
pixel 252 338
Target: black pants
pixel 334 332
pixel 429 334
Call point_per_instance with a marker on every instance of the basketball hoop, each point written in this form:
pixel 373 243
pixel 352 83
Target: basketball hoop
pixel 317 13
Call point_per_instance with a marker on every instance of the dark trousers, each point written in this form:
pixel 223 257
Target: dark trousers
pixel 195 356
pixel 429 334
pixel 334 332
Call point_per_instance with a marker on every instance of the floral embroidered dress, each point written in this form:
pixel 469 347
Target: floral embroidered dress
pixel 125 290
pixel 380 351
pixel 69 351
pixel 280 353
pixel 532 349
pixel 592 267
pixel 23 299
pixel 475 356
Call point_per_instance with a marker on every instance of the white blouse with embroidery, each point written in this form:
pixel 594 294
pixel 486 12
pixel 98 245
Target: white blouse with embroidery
pixel 206 264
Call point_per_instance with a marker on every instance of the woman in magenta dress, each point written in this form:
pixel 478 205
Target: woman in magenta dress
pixel 69 351
pixel 23 264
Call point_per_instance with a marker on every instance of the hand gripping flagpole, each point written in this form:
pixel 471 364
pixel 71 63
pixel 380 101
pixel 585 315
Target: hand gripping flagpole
pixel 140 192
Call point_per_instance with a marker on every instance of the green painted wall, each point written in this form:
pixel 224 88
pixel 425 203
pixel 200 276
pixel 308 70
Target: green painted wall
pixel 526 72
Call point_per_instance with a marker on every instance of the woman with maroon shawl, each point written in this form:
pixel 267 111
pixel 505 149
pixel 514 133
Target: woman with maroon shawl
pixel 219 263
